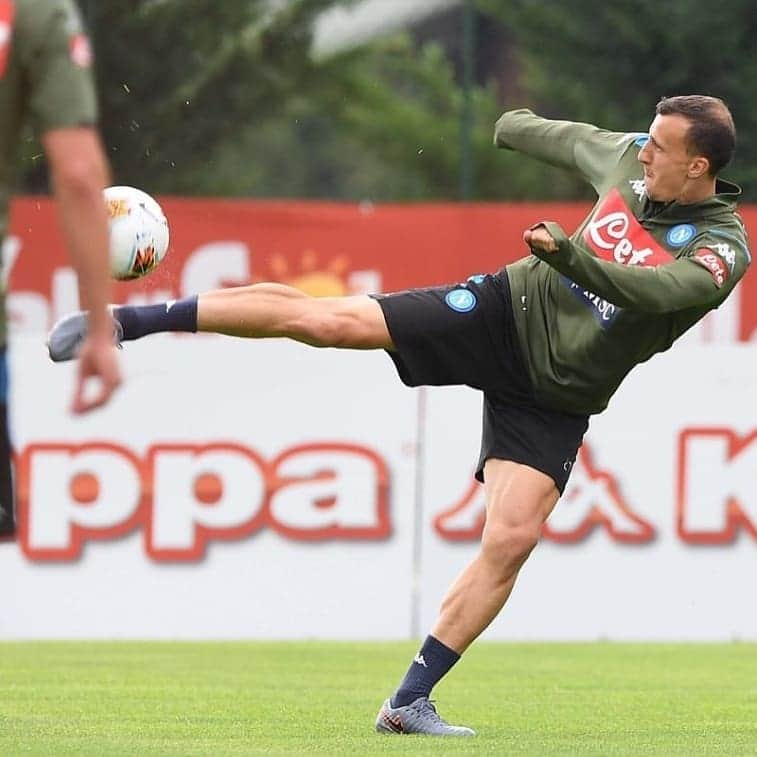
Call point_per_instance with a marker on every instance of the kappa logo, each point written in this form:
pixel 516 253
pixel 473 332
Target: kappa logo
pixel 184 496
pixel 639 188
pixel 593 501
pixel 727 253
pixel 419 659
pixel 615 235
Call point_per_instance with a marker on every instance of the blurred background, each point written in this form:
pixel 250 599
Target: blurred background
pixel 394 100
pixel 269 490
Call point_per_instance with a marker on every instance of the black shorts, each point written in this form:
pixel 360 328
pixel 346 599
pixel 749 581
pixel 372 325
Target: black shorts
pixel 466 334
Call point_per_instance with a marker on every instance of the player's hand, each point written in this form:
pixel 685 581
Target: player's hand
pixel 98 362
pixel 540 239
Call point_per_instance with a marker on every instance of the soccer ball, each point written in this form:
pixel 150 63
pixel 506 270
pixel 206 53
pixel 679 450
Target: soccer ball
pixel 138 232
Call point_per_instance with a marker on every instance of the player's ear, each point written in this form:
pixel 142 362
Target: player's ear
pixel 698 167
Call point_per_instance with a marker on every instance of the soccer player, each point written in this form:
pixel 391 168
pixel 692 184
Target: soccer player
pixel 46 82
pixel 547 339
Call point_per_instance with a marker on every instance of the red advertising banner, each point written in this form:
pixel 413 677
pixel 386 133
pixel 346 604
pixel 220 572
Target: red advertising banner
pixel 322 248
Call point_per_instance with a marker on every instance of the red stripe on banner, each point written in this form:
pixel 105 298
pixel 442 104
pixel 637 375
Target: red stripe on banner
pixel 322 248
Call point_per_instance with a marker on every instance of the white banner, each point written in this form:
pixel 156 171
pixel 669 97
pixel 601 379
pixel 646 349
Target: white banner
pixel 240 489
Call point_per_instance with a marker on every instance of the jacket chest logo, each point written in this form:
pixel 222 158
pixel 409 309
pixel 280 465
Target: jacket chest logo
pixel 615 235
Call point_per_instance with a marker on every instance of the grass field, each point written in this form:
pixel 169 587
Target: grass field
pixel 321 698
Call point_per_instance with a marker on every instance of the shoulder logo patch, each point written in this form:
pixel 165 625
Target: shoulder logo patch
pixel 461 300
pixel 679 235
pixel 717 267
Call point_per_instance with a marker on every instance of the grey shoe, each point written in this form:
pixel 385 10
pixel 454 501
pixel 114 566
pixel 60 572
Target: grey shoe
pixel 69 332
pixel 419 716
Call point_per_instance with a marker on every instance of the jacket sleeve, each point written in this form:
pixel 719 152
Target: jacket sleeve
pixel 582 148
pixel 56 58
pixel 702 278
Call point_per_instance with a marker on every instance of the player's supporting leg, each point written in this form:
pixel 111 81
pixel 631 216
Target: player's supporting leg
pixel 518 501
pixel 255 311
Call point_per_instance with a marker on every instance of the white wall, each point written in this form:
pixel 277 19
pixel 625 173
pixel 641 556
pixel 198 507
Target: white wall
pixel 321 542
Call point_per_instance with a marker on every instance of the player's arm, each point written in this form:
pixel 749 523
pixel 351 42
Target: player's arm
pixel 79 174
pixel 62 106
pixel 588 150
pixel 704 278
pixel 56 59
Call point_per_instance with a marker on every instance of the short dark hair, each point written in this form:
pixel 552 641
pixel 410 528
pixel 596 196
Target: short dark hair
pixel 712 132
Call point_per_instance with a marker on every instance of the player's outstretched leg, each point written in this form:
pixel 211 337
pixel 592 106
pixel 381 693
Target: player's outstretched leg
pixel 256 311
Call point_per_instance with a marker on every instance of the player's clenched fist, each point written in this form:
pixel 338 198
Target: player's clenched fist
pixel 539 238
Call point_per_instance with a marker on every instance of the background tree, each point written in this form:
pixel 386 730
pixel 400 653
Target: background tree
pixel 201 97
pixel 609 63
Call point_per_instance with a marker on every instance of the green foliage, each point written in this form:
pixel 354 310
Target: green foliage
pixel 609 63
pixel 209 98
pixel 202 97
pixel 178 79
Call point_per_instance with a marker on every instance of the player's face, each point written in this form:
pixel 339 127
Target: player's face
pixel 668 164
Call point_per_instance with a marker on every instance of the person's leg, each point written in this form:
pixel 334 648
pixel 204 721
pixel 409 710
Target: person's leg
pixel 518 501
pixel 276 310
pixel 255 311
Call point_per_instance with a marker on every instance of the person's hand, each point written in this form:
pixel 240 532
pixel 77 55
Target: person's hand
pixel 540 239
pixel 98 361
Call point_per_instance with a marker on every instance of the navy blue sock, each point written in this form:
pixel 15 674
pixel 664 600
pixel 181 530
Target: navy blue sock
pixel 174 315
pixel 427 668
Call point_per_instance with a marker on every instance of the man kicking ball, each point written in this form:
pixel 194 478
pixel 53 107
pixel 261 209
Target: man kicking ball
pixel 547 339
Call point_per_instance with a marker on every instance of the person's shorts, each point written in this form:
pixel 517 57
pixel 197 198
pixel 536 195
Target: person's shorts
pixel 466 334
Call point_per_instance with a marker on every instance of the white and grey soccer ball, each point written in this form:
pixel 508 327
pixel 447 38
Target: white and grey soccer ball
pixel 138 232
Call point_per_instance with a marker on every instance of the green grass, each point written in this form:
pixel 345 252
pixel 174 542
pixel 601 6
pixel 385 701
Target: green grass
pixel 313 697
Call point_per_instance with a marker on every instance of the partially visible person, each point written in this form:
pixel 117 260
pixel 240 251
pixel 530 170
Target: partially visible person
pixel 46 84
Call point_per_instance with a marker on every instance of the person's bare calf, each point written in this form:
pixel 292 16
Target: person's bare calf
pixel 276 310
pixel 518 501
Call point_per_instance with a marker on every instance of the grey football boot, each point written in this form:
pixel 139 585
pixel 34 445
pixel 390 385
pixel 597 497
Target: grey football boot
pixel 419 716
pixel 67 335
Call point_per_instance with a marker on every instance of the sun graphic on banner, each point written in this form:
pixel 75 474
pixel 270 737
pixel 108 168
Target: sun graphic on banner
pixel 327 281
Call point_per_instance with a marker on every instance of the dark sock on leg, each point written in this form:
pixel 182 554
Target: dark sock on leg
pixel 174 315
pixel 427 668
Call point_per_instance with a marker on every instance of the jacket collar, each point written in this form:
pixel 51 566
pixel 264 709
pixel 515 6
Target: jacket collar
pixel 723 201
